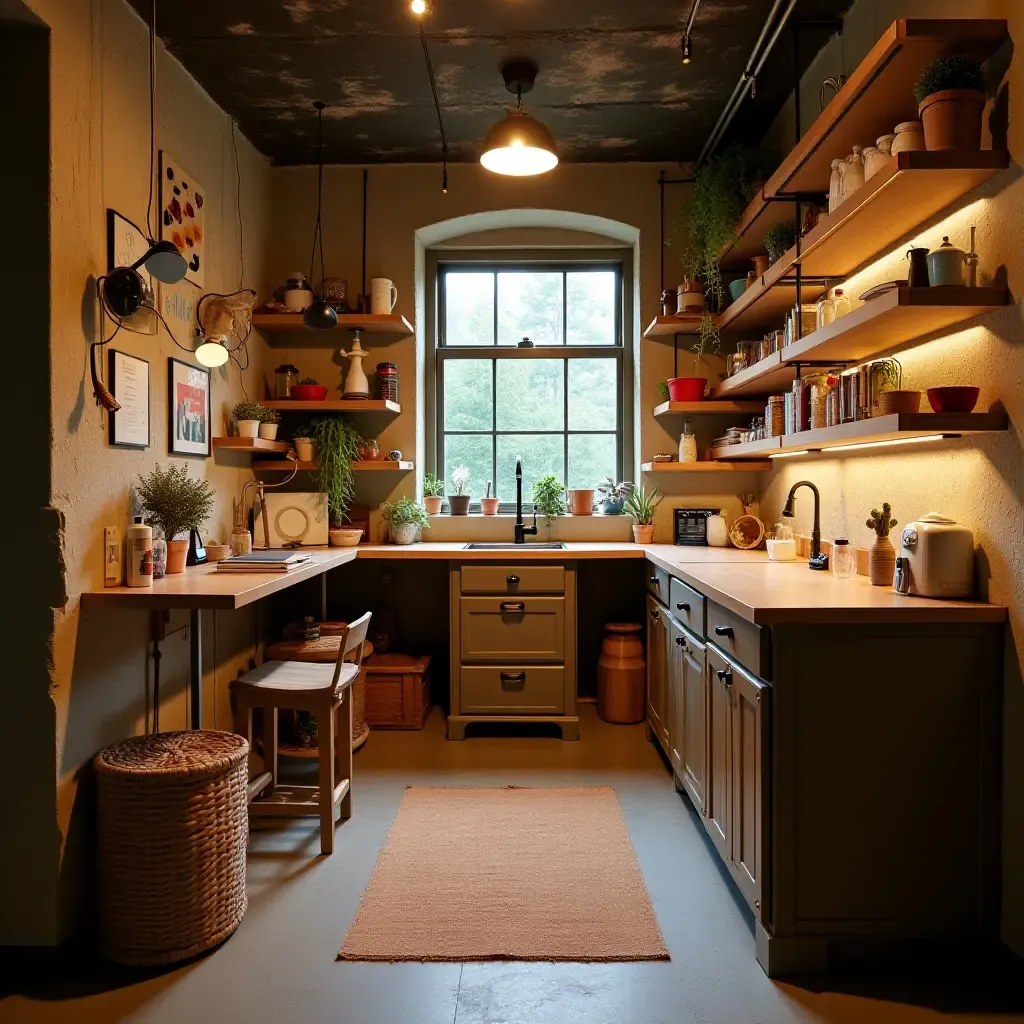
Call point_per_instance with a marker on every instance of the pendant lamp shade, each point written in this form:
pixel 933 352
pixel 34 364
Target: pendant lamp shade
pixel 320 316
pixel 212 353
pixel 165 262
pixel 519 145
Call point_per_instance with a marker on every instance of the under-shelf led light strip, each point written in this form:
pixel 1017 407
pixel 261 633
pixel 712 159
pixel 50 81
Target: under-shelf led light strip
pixel 865 444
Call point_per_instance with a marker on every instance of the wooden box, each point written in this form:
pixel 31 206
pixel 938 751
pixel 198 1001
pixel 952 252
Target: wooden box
pixel 397 691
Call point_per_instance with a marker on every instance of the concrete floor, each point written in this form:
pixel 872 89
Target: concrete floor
pixel 280 967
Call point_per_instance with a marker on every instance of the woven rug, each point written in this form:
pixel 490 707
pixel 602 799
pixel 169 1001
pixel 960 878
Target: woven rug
pixel 506 874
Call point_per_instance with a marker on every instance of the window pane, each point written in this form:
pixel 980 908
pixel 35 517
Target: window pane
pixel 530 394
pixel 593 394
pixel 468 309
pixel 468 394
pixel 590 308
pixel 591 459
pixel 529 306
pixel 541 454
pixel 474 452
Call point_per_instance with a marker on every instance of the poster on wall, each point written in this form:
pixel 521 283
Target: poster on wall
pixel 188 408
pixel 129 384
pixel 126 245
pixel 178 308
pixel 182 215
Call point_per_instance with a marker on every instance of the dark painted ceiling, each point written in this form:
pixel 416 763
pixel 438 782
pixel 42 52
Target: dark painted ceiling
pixel 611 85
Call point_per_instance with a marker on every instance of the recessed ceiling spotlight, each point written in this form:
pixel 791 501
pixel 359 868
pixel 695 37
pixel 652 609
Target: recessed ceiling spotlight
pixel 687 55
pixel 519 145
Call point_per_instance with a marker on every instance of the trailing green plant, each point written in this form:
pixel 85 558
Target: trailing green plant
pixel 270 416
pixel 640 506
pixel 663 390
pixel 460 480
pixel 337 447
pixel 882 522
pixel 952 72
pixel 249 411
pixel 309 380
pixel 547 497
pixel 887 375
pixel 433 486
pixel 175 501
pixel 779 239
pixel 404 510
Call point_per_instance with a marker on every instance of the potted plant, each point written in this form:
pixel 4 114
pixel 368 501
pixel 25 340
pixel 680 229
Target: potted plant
pixel 951 99
pixel 405 519
pixel 433 493
pixel 887 376
pixel 269 420
pixel 640 508
pixel 337 446
pixel 309 389
pixel 304 446
pixel 881 555
pixel 489 503
pixel 547 497
pixel 778 240
pixel 458 501
pixel 248 416
pixel 177 503
pixel 613 496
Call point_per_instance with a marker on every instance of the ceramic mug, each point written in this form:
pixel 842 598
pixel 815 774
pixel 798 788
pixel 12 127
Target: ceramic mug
pixel 383 296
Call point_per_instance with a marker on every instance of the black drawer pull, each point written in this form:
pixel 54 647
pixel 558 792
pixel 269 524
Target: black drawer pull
pixel 724 631
pixel 654 581
pixel 655 614
pixel 724 676
pixel 513 678
pixel 513 607
pixel 512 581
pixel 680 641
pixel 683 607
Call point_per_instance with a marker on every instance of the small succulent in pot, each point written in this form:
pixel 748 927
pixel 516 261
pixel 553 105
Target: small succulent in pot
pixel 640 507
pixel 269 420
pixel 882 522
pixel 951 101
pixel 433 492
pixel 405 519
pixel 613 496
pixel 881 554
pixel 309 389
pixel 778 240
pixel 248 416
pixel 458 501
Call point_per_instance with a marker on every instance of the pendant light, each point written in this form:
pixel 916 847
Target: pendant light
pixel 519 145
pixel 319 315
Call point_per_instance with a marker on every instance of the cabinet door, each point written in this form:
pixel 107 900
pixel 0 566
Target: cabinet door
pixel 656 668
pixel 718 792
pixel 675 686
pixel 749 770
pixel 695 722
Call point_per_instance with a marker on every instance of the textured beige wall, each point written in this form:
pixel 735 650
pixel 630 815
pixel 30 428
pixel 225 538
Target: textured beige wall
pixel 978 481
pixel 99 159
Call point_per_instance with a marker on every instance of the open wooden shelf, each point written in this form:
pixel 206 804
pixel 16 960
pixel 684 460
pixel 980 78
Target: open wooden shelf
pixel 705 467
pixel 667 327
pixel 759 216
pixel 708 408
pixel 898 427
pixel 339 405
pixel 249 444
pixel 877 326
pixel 284 330
pixel 378 465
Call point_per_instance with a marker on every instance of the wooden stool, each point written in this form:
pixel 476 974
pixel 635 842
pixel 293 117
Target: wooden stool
pixel 325 690
pixel 621 674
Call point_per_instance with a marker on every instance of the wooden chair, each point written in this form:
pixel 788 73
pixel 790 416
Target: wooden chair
pixel 325 690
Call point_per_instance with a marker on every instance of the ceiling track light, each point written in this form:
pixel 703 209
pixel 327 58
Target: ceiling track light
pixel 519 145
pixel 686 47
pixel 687 53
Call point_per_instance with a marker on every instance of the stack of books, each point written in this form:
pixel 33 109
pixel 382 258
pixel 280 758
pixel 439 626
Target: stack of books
pixel 265 561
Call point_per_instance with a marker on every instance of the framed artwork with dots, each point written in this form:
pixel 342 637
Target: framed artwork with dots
pixel 183 215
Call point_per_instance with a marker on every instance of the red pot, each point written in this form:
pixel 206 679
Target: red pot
pixel 687 389
pixel 953 399
pixel 308 392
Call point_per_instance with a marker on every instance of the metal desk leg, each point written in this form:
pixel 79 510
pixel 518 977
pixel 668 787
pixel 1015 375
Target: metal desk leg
pixel 195 668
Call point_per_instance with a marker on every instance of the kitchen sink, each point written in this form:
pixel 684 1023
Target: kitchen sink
pixel 550 546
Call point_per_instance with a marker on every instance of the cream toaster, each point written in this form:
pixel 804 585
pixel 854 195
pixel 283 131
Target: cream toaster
pixel 936 559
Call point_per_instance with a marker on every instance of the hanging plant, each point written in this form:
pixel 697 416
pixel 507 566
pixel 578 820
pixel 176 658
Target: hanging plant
pixel 337 447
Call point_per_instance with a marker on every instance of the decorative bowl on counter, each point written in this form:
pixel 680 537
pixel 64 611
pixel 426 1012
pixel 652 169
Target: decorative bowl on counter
pixel 687 389
pixel 958 398
pixel 217 552
pixel 344 537
pixel 308 392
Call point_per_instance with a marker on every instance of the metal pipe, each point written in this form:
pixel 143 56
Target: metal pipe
pixel 693 15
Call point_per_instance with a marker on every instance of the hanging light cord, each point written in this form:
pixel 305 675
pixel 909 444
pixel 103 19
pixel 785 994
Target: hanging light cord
pixel 152 114
pixel 437 107
pixel 318 231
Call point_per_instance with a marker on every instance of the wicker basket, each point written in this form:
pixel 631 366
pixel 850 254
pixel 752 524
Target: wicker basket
pixel 172 828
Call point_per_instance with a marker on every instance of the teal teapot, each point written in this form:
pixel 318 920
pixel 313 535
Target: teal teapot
pixel 946 265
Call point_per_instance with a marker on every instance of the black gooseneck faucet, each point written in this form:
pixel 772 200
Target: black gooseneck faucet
pixel 817 559
pixel 521 530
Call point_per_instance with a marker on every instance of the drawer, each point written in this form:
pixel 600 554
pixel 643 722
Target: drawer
pixel 513 689
pixel 513 579
pixel 657 582
pixel 746 643
pixel 512 629
pixel 686 605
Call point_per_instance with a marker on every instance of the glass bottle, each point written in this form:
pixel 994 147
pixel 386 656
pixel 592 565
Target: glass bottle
pixel 835 185
pixel 159 554
pixel 826 311
pixel 853 177
pixel 840 304
pixel 844 559
pixel 687 443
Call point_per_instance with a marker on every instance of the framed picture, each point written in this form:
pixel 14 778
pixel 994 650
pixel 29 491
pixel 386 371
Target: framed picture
pixel 188 409
pixel 182 217
pixel 129 384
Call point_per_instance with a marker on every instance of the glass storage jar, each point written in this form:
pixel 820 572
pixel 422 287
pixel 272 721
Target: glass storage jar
pixel 687 443
pixel 844 559
pixel 284 377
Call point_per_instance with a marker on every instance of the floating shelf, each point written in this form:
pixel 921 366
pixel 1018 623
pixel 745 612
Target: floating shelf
pixel 898 427
pixel 708 408
pixel 757 219
pixel 284 329
pixel 705 467
pixel 879 325
pixel 667 327
pixel 359 467
pixel 249 444
pixel 340 405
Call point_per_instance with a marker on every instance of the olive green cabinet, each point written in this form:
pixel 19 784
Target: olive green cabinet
pixel 657 672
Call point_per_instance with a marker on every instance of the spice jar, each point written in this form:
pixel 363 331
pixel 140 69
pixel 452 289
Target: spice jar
pixel 844 559
pixel 818 401
pixel 284 377
pixel 832 403
pixel 687 443
pixel 387 381
pixel 840 304
pixel 826 311
pixel 775 416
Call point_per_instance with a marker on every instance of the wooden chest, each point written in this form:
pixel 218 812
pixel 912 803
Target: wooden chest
pixel 397 691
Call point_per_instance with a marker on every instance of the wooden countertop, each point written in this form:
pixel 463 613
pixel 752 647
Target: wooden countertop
pixel 456 551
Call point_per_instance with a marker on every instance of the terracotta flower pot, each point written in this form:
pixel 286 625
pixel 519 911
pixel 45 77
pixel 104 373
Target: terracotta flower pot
pixel 433 505
pixel 952 119
pixel 582 502
pixel 760 265
pixel 177 552
pixel 304 449
pixel 890 402
pixel 643 534
pixel 881 562
pixel 459 504
pixel 489 506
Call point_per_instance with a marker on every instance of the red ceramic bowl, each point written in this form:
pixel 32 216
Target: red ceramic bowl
pixel 308 392
pixel 953 399
pixel 687 389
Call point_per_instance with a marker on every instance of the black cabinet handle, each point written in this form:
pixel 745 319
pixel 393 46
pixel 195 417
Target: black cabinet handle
pixel 724 631
pixel 724 676
pixel 655 614
pixel 654 581
pixel 513 678
pixel 680 641
pixel 683 607
pixel 512 581
pixel 513 607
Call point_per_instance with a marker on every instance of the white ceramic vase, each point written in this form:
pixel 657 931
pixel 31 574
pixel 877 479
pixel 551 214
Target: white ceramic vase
pixel 268 431
pixel 248 428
